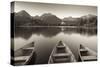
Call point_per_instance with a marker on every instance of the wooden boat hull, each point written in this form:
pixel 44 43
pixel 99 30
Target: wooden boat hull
pixel 62 55
pixel 25 55
pixel 86 54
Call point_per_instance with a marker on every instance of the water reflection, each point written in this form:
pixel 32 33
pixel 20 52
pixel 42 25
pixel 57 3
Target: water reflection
pixel 26 32
pixel 46 38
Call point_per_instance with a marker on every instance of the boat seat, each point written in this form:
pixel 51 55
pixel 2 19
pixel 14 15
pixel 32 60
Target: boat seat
pixel 21 58
pixel 19 63
pixel 89 58
pixel 83 50
pixel 61 55
pixel 61 60
pixel 28 48
pixel 60 46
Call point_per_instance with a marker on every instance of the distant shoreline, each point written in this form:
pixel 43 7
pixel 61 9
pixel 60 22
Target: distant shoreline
pixel 62 26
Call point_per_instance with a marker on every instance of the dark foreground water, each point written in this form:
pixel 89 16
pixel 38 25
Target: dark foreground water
pixel 46 38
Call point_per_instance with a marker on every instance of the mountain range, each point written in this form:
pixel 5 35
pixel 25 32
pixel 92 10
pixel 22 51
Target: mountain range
pixel 22 18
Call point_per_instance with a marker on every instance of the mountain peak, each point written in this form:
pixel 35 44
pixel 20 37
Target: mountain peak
pixel 88 16
pixel 23 13
pixel 47 14
pixel 49 18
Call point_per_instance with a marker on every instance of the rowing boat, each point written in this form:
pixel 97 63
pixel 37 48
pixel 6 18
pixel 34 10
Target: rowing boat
pixel 86 54
pixel 61 54
pixel 24 55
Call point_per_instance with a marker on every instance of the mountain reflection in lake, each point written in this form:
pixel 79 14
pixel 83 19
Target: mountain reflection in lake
pixel 46 38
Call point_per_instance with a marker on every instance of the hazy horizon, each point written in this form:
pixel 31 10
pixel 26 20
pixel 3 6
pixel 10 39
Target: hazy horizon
pixel 60 10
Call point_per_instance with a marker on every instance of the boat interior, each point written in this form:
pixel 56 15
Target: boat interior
pixel 23 54
pixel 61 54
pixel 86 54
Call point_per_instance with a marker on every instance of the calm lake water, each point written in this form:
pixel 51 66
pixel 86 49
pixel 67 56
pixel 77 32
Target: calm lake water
pixel 46 38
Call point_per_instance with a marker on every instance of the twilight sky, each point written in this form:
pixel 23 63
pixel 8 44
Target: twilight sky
pixel 60 10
